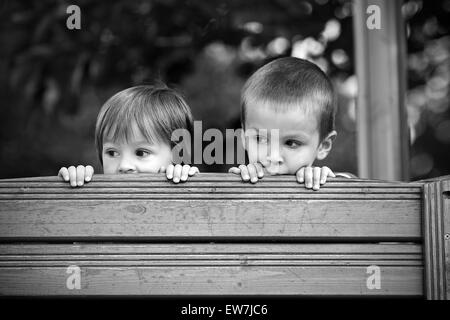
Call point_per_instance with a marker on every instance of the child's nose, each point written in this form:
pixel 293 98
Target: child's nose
pixel 127 166
pixel 275 156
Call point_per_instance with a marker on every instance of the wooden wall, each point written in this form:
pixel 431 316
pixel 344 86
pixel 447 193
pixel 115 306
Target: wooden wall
pixel 214 235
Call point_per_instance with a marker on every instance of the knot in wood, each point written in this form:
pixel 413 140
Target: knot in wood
pixel 136 209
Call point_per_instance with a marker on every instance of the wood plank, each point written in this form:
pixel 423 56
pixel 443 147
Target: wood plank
pixel 436 243
pixel 386 248
pixel 203 186
pixel 242 280
pixel 186 189
pixel 212 269
pixel 149 210
pixel 95 220
pixel 81 196
pixel 209 254
pixel 209 206
pixel 446 207
pixel 202 177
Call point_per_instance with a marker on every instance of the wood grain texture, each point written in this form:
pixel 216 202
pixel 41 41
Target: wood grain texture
pixel 214 235
pixel 446 206
pixel 219 206
pixel 201 219
pixel 383 148
pixel 212 269
pixel 210 177
pixel 202 186
pixel 436 239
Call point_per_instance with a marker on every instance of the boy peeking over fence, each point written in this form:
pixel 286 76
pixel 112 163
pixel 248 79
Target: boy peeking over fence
pixel 133 135
pixel 288 108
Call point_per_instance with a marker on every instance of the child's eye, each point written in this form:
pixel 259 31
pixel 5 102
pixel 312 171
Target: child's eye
pixel 261 139
pixel 142 153
pixel 293 144
pixel 112 153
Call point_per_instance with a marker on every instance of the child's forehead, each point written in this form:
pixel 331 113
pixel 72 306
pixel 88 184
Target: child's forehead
pixel 286 118
pixel 304 107
pixel 132 141
pixel 122 133
pixel 130 134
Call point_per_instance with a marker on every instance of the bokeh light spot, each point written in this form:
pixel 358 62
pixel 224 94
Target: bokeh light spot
pixel 421 164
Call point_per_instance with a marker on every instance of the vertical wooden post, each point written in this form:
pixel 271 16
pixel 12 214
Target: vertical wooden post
pixel 436 233
pixel 382 138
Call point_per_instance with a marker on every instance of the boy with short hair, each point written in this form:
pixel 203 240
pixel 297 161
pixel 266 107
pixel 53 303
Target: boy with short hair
pixel 287 113
pixel 133 135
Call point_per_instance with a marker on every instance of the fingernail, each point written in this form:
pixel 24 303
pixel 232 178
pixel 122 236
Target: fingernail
pixel 169 176
pixel 80 183
pixel 88 179
pixel 254 180
pixel 246 177
pixel 176 180
pixel 73 184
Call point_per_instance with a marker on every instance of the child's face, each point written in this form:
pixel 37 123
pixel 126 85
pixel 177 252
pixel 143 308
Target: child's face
pixel 135 156
pixel 295 145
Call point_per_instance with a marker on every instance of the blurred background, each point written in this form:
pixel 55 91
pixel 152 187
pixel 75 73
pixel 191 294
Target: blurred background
pixel 54 81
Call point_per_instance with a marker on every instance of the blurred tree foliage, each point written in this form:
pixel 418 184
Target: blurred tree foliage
pixel 54 80
pixel 429 83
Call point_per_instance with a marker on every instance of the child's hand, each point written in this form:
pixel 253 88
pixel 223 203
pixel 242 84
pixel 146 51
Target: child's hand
pixel 251 172
pixel 179 172
pixel 313 177
pixel 76 176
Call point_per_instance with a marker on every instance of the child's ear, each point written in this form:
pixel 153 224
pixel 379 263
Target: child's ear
pixel 326 145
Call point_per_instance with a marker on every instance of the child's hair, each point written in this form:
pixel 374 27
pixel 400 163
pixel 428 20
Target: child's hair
pixel 156 111
pixel 287 83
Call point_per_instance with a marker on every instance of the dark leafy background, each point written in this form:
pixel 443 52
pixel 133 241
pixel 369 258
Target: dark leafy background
pixel 54 80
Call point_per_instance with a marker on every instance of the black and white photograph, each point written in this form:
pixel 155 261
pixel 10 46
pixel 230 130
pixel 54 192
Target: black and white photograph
pixel 221 157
